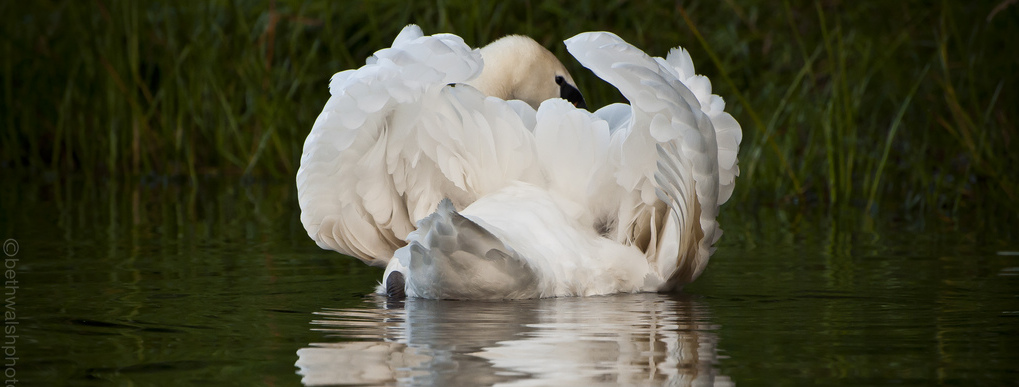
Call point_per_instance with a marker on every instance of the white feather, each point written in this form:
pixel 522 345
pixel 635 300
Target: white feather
pixel 553 202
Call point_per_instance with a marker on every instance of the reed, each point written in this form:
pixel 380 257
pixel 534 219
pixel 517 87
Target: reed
pixel 903 107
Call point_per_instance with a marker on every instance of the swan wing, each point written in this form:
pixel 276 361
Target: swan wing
pixel 398 135
pixel 674 155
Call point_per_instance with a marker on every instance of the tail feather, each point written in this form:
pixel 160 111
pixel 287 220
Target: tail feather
pixel 452 257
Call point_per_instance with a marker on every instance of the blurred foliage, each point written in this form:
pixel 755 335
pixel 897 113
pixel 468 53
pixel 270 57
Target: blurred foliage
pixel 902 107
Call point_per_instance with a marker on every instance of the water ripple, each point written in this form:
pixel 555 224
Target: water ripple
pixel 639 339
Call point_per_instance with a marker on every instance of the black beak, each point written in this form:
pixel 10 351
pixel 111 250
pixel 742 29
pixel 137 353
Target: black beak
pixel 570 93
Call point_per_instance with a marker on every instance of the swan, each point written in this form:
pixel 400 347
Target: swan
pixel 478 173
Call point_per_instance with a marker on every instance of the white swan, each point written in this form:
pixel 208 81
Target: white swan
pixel 462 196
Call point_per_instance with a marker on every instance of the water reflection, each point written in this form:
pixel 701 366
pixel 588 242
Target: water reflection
pixel 639 339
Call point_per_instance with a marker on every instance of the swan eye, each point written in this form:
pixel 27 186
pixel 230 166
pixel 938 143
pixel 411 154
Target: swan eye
pixel 559 80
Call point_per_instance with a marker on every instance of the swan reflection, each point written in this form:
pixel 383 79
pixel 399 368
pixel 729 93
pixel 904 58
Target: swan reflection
pixel 637 339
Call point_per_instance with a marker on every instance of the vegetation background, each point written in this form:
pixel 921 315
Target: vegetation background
pixel 148 152
pixel 904 109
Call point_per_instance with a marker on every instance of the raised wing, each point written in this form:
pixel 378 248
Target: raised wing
pixel 396 137
pixel 674 154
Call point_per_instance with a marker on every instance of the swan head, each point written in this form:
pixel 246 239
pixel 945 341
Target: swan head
pixel 517 67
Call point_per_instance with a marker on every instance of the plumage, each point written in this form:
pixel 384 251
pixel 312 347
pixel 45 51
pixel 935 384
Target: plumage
pixel 411 166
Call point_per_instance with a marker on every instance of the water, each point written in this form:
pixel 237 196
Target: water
pixel 161 283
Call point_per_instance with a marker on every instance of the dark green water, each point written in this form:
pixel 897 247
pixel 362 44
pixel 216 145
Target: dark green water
pixel 155 284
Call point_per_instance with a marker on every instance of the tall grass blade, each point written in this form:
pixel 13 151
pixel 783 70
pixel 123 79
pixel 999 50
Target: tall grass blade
pixel 892 131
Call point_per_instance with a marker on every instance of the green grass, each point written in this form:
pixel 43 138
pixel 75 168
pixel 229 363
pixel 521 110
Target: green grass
pixel 881 107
